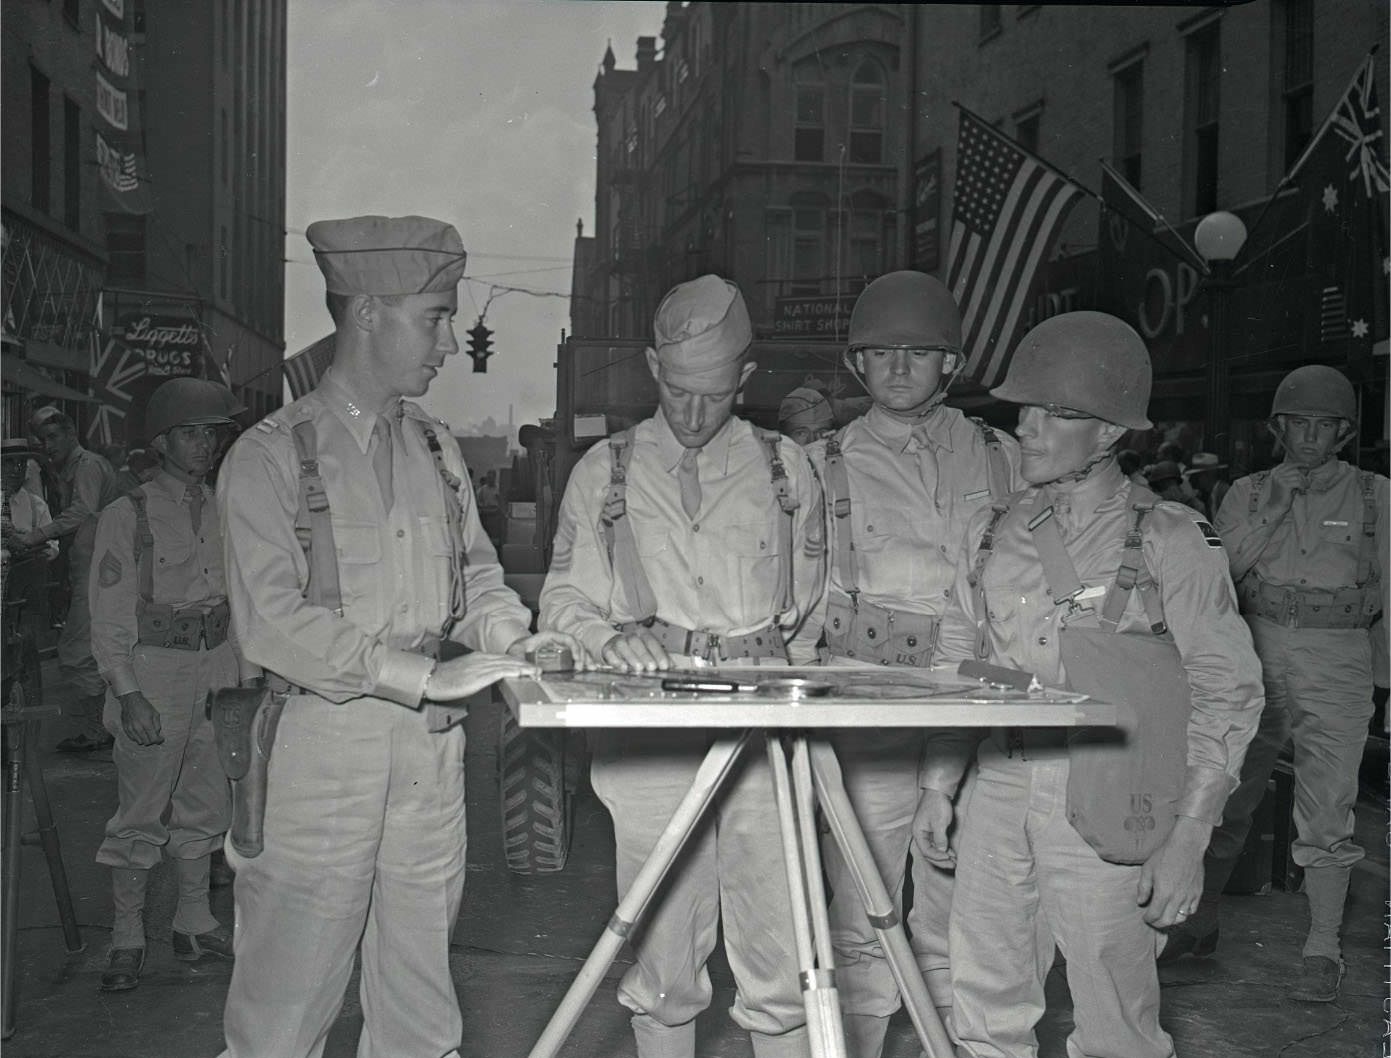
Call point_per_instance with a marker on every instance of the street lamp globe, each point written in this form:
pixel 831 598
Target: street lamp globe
pixel 1219 236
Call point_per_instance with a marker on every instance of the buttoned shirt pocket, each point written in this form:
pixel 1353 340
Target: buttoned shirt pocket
pixel 1002 607
pixel 880 528
pixel 436 560
pixel 172 552
pixel 359 561
pixel 755 548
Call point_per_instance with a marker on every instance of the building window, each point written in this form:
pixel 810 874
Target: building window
pixel 125 249
pixel 808 250
pixel 223 253
pixel 72 164
pixel 1129 94
pixel 1202 110
pixel 1026 127
pixel 778 248
pixel 38 140
pixel 1298 86
pixel 810 132
pixel 865 240
pixel 990 23
pixel 867 106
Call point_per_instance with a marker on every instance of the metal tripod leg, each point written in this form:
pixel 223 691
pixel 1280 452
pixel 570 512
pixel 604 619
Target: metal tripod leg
pixel 48 838
pixel 810 923
pixel 845 828
pixel 718 763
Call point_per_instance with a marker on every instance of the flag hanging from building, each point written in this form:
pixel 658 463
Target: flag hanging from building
pixel 1007 206
pixel 303 370
pixel 1126 205
pixel 120 160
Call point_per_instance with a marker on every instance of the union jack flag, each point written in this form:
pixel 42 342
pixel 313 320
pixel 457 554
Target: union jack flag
pixel 1007 206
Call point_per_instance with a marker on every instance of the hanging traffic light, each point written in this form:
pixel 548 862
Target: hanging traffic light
pixel 480 346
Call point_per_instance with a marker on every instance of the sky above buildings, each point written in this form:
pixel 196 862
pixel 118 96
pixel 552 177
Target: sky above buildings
pixel 479 112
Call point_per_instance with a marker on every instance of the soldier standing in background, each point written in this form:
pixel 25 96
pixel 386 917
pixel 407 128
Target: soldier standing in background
pixel 86 484
pixel 1308 543
pixel 901 482
pixel 805 415
pixel 691 538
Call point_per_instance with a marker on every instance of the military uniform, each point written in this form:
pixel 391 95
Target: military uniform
pixel 172 795
pixel 912 491
pixel 86 484
pixel 718 573
pixel 1019 856
pixel 365 825
pixel 1310 581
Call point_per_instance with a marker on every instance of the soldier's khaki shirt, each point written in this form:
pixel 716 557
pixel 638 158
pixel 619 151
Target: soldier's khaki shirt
pixel 907 534
pixel 187 569
pixel 718 572
pixel 86 484
pixel 1313 546
pixel 393 566
pixel 1195 589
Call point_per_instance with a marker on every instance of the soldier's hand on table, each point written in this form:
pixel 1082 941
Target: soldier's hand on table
pixel 466 676
pixel 526 645
pixel 139 720
pixel 1285 481
pixel 1171 880
pixel 931 825
pixel 638 651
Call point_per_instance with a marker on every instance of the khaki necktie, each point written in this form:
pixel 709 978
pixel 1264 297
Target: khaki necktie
pixel 928 469
pixel 690 482
pixel 194 495
pixel 381 459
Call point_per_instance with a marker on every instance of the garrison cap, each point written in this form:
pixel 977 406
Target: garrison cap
pixel 15 448
pixel 701 326
pixel 805 407
pixel 47 414
pixel 387 255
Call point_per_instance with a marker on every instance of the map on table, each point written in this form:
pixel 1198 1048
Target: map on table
pixel 795 697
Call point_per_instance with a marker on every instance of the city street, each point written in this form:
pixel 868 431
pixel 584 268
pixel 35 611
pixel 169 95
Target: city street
pixel 520 941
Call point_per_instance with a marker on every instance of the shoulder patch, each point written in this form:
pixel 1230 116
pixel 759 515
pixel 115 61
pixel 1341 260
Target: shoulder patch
pixel 1209 533
pixel 269 424
pixel 110 571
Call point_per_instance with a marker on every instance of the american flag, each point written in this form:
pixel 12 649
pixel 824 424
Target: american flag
pixel 302 370
pixel 1007 206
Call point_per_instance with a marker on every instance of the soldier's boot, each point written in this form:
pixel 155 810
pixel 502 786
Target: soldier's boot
pixel 1322 971
pixel 127 956
pixel 864 1034
pixel 656 1040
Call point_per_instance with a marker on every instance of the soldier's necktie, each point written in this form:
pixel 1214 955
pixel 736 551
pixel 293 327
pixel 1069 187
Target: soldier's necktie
pixel 928 469
pixel 381 459
pixel 194 495
pixel 690 482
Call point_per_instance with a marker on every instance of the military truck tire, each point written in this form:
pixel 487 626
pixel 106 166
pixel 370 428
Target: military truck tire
pixel 536 817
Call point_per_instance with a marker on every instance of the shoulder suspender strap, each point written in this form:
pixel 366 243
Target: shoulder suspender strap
pixel 1366 551
pixel 454 514
pixel 619 541
pixel 1058 569
pixel 788 503
pixel 313 523
pixel 144 547
pixel 838 485
pixel 976 579
pixel 996 465
pixel 1134 573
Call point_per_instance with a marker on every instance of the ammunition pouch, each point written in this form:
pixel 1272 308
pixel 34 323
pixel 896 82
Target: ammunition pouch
pixel 244 722
pixel 160 625
pixel 868 632
pixel 1343 608
pixel 762 643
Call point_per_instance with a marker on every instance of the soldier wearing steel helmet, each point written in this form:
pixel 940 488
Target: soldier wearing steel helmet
pixel 902 482
pixel 1074 577
pixel 1308 543
pixel 161 641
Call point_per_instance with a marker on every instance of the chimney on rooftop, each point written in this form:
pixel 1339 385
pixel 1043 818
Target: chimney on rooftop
pixel 647 53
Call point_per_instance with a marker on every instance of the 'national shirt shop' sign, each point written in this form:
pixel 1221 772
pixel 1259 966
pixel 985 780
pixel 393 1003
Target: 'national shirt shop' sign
pixel 819 317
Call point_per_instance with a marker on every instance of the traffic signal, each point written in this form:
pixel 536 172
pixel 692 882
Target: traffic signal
pixel 480 346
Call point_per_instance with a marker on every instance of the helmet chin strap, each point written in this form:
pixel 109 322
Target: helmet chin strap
pixel 1084 471
pixel 938 395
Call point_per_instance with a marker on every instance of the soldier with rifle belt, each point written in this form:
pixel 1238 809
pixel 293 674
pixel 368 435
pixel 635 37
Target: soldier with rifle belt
pixel 160 639
pixel 357 567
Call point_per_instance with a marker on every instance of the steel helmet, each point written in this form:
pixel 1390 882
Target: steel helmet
pixel 189 402
pixel 1315 390
pixel 1084 361
pixel 906 309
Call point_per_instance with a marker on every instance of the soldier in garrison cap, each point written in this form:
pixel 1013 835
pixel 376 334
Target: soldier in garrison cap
pixel 1089 581
pixel 86 484
pixel 364 829
pixel 1308 544
pixel 901 483
pixel 160 637
pixel 693 536
pixel 805 415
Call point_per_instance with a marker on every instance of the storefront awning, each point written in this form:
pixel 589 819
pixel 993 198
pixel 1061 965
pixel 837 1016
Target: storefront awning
pixel 18 372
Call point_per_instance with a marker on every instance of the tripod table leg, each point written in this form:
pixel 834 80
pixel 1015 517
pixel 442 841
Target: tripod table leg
pixel 48 838
pixel 845 828
pixel 14 812
pixel 819 996
pixel 718 763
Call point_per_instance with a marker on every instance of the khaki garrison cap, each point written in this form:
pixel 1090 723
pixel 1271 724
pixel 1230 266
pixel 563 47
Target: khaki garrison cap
pixel 387 255
pixel 701 326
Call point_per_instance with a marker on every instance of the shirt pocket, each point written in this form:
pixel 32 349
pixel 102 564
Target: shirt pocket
pixel 359 549
pixel 755 550
pixel 879 528
pixel 436 578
